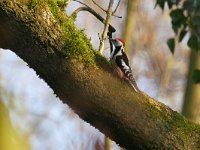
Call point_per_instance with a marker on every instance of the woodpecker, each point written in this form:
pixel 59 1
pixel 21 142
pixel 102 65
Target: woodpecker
pixel 120 62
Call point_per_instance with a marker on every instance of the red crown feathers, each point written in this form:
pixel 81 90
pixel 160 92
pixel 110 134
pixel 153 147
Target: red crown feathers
pixel 120 40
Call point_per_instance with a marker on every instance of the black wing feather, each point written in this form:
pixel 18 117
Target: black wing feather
pixel 127 72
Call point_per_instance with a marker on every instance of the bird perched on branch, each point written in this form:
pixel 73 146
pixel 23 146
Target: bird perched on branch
pixel 120 62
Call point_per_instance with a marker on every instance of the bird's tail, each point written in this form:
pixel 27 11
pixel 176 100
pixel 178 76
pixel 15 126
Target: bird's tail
pixel 132 82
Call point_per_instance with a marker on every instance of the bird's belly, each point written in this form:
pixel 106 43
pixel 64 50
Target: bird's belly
pixel 117 69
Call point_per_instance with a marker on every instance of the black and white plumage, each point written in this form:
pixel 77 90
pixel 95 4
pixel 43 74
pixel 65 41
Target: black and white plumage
pixel 120 62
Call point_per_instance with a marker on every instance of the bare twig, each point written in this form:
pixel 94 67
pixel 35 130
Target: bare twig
pixel 90 10
pixel 105 31
pixel 99 6
pixel 116 16
pixel 81 3
pixel 117 6
pixel 113 13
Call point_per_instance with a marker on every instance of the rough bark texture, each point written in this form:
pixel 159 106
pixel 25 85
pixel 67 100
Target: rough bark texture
pixel 60 54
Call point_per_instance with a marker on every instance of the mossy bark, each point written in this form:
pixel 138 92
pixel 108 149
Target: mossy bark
pixel 82 78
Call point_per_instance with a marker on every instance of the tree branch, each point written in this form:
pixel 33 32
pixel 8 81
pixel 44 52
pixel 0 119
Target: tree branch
pixel 99 6
pixel 113 13
pixel 105 30
pixel 117 6
pixel 82 78
pixel 90 10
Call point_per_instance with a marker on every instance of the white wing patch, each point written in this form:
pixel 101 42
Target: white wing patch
pixel 114 56
pixel 125 67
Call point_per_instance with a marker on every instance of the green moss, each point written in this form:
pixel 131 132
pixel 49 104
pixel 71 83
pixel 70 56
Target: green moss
pixel 53 7
pixel 73 16
pixel 62 4
pixel 77 45
pixel 100 59
pixel 33 3
pixel 57 5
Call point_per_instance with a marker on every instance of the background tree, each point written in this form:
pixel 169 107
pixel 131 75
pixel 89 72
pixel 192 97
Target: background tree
pixel 186 20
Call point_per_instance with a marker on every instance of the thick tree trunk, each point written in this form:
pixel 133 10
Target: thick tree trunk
pixel 191 106
pixel 130 22
pixel 60 54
